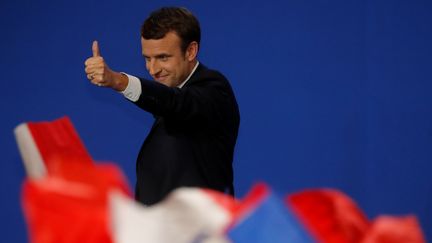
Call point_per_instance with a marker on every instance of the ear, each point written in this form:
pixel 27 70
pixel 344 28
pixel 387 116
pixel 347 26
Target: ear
pixel 192 51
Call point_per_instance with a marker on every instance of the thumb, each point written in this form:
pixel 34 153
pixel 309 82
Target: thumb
pixel 95 49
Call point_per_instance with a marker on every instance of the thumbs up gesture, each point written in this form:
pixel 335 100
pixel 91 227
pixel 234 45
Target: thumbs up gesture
pixel 100 74
pixel 95 49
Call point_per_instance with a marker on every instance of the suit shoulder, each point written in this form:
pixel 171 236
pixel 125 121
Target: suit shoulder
pixel 210 75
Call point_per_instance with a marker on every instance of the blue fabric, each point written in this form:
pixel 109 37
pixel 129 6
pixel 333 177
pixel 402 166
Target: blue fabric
pixel 271 222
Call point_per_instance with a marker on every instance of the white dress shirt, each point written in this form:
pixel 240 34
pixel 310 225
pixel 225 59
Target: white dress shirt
pixel 133 89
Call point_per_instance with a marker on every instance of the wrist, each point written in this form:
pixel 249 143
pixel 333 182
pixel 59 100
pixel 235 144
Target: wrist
pixel 120 82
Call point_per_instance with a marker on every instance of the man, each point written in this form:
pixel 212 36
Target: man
pixel 192 139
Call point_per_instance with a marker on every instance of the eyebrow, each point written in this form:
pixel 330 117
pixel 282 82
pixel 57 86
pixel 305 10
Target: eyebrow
pixel 160 55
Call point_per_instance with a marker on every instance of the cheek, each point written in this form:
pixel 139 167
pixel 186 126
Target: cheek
pixel 170 67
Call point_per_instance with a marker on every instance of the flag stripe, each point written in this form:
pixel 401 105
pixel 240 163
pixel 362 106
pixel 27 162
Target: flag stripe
pixel 32 159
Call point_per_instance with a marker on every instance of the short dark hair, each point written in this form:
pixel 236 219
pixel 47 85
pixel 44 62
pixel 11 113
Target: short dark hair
pixel 179 20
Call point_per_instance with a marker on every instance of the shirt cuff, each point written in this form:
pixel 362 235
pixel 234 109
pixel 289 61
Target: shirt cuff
pixel 133 89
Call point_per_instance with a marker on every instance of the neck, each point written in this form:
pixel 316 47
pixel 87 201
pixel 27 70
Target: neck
pixel 192 65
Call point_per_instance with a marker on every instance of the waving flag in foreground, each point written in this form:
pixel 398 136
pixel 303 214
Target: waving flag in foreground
pixel 65 197
pixel 69 198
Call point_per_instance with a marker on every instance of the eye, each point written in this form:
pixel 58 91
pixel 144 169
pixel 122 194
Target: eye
pixel 163 58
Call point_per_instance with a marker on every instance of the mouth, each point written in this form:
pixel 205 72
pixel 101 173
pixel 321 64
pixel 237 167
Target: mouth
pixel 160 78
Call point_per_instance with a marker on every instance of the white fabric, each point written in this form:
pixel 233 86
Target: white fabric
pixel 33 162
pixel 190 75
pixel 133 89
pixel 187 215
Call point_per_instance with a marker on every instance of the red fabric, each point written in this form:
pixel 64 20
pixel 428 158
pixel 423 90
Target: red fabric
pixel 240 209
pixel 387 229
pixel 329 215
pixel 58 139
pixel 71 207
pixel 70 203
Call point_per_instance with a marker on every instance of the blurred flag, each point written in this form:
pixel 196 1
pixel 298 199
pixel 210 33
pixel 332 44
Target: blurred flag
pixel 390 229
pixel 187 215
pixel 66 196
pixel 45 144
pixel 329 215
pixel 332 217
pixel 265 219
pixel 71 208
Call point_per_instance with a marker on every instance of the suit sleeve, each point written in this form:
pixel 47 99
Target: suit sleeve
pixel 209 101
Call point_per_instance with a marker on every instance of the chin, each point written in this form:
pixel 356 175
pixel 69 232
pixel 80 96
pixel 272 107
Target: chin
pixel 167 83
pixel 170 83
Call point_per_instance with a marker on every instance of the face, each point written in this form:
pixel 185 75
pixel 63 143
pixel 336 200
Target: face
pixel 166 62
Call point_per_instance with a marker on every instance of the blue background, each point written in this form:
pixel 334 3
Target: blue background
pixel 332 93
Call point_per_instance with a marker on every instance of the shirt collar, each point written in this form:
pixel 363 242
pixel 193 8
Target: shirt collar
pixel 190 75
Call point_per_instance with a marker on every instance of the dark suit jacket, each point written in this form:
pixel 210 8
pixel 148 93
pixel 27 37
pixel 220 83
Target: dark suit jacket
pixel 192 140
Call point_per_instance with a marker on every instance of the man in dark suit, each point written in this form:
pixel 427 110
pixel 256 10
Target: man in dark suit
pixel 192 139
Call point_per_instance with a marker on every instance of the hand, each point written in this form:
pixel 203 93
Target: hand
pixel 100 74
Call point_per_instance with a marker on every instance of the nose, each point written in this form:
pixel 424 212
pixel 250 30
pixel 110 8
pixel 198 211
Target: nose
pixel 153 67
